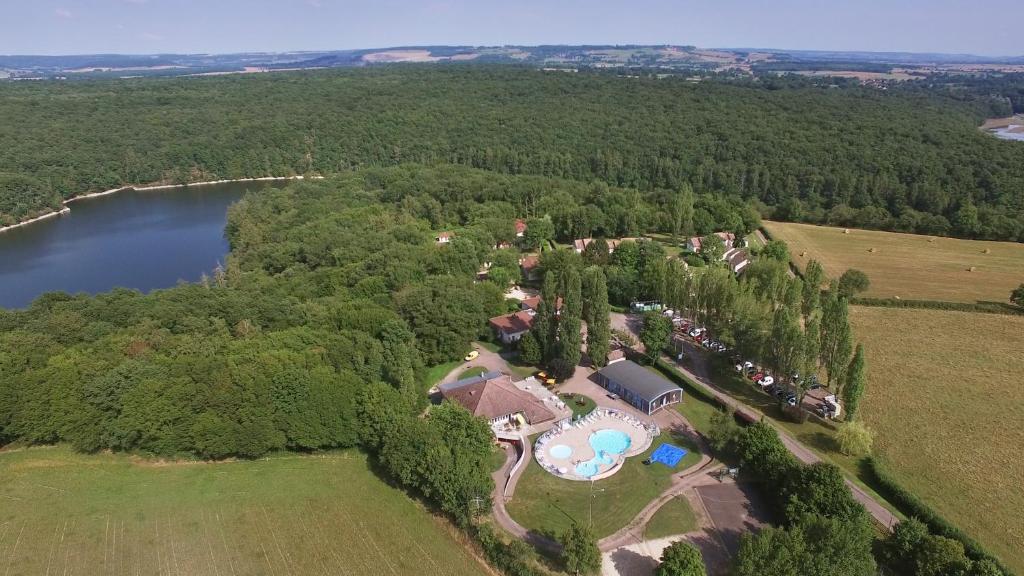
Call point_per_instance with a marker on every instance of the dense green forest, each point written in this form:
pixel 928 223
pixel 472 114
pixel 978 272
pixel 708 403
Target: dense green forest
pixel 852 156
pixel 330 286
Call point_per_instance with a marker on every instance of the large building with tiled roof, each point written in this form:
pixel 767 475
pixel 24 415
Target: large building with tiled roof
pixel 494 397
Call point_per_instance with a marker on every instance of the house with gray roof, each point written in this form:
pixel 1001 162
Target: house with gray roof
pixel 644 389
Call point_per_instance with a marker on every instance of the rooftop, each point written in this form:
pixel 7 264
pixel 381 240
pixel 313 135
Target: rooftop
pixel 496 396
pixel 640 380
pixel 512 323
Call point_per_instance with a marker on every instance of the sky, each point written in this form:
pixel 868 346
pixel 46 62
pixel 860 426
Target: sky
pixel 984 27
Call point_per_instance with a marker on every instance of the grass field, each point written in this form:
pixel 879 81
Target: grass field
pixel 946 401
pixel 546 503
pixel 910 266
pixel 69 514
pixel 675 517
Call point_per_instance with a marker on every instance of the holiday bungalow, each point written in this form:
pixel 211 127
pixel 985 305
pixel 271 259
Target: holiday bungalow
pixel 509 328
pixel 520 227
pixel 695 244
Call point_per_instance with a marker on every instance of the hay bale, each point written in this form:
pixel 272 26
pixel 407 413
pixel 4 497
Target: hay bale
pixel 971 269
pixel 802 254
pixel 896 297
pixel 932 240
pixel 872 250
pixel 846 231
pixel 986 251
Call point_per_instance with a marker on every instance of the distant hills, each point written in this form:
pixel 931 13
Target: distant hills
pixel 667 57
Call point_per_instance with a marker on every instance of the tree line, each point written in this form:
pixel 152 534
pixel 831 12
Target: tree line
pixel 900 160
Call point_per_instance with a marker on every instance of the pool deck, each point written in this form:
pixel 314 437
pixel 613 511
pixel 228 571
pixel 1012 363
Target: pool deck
pixel 577 438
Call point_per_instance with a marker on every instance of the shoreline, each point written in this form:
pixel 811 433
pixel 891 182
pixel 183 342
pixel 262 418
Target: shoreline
pixel 66 209
pixel 43 216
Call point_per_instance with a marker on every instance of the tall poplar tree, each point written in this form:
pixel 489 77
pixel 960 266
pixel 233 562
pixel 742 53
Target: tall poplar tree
pixel 856 381
pixel 597 315
pixel 545 324
pixel 836 339
pixel 570 321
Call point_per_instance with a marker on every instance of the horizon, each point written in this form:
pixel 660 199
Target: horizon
pixel 479 46
pixel 153 27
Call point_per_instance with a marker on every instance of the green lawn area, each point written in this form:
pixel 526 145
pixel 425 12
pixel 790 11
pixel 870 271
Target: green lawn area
pixel 489 346
pixel 546 503
pixel 497 458
pixel 671 248
pixel 754 241
pixel 675 517
pixel 472 371
pixel 577 409
pixel 436 373
pixel 63 512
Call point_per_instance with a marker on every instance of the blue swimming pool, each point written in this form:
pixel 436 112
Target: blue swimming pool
pixel 607 444
pixel 560 451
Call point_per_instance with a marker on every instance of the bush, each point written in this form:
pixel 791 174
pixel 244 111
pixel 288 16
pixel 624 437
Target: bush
pixel 724 432
pixel 910 505
pixel 855 439
pixel 513 558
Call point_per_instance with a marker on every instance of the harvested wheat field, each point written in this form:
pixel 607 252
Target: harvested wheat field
pixel 946 401
pixel 70 514
pixel 910 266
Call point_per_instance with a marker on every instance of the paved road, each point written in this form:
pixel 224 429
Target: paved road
pixel 699 375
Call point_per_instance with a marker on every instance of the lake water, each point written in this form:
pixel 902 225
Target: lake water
pixel 141 240
pixel 1011 132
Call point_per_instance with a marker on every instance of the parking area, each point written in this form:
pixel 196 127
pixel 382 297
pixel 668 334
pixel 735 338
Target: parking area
pixel 734 508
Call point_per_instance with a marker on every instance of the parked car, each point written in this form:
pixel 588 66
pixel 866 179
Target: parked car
pixel 757 376
pixel 613 396
pixel 545 378
pixel 721 347
pixel 744 366
pixel 766 381
pixel 791 399
pixel 780 392
pixel 472 355
pixel 694 332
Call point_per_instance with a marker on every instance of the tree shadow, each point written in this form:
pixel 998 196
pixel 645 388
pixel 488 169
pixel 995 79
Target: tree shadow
pixel 633 563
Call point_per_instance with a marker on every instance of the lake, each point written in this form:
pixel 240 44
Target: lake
pixel 133 239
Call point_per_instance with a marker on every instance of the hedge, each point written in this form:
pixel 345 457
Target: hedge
pixel 983 307
pixel 886 485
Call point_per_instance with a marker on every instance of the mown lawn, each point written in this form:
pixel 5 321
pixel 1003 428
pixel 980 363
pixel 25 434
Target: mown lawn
pixel 578 409
pixel 546 503
pixel 675 517
pixel 946 401
pixel 472 371
pixel 436 373
pixel 910 266
pixel 66 513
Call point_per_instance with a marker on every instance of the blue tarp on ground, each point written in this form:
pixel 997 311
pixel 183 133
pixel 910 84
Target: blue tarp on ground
pixel 668 455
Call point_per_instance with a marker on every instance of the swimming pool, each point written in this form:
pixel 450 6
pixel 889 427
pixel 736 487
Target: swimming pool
pixel 607 444
pixel 560 451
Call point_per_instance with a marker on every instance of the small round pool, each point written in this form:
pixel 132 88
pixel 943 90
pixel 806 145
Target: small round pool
pixel 560 451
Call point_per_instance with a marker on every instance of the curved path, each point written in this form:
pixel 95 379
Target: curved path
pixel 504 488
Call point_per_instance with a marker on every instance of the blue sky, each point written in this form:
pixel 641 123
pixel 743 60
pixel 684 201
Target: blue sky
pixel 989 27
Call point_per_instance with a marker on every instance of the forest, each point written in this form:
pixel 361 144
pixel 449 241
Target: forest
pixel 907 160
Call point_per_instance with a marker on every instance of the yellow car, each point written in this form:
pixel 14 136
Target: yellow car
pixel 472 355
